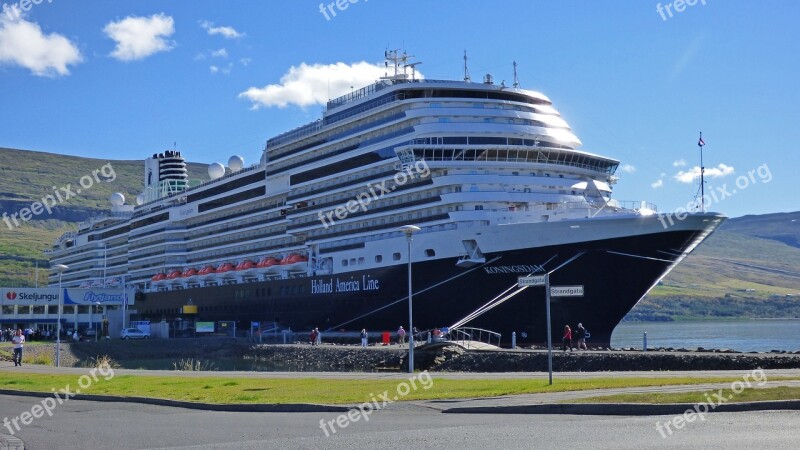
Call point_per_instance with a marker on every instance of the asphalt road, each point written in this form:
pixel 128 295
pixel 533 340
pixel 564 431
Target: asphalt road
pixel 83 424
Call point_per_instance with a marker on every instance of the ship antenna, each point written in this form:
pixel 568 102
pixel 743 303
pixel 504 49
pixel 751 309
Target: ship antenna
pixel 466 71
pixel 701 143
pixel 516 79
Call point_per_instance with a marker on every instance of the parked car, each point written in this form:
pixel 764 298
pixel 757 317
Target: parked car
pixel 134 333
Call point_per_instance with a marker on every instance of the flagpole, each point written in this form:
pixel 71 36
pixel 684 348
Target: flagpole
pixel 702 177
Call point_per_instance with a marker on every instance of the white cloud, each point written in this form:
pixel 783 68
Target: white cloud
pixel 245 61
pixel 221 53
pixel 227 32
pixel 679 163
pixel 23 43
pixel 627 168
pixel 692 174
pixel 307 85
pixel 657 184
pixel 225 69
pixel 140 37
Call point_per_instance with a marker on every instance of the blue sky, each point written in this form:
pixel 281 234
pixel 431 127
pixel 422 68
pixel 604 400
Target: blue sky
pixel 125 79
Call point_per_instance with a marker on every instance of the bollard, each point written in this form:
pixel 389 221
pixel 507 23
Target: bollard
pixel 644 342
pixel 513 339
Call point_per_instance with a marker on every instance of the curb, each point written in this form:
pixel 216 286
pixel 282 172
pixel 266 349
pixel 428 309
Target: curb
pixel 625 409
pixel 257 407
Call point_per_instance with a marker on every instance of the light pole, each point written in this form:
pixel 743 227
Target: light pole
pixel 94 324
pixel 60 268
pixel 409 231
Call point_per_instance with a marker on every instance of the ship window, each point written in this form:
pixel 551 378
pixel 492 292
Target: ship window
pixel 361 260
pixel 378 258
pixel 430 252
pixel 396 256
pixel 478 207
pixel 344 262
pixel 352 261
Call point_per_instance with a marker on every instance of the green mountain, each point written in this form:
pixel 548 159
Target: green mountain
pixel 746 269
pixel 749 268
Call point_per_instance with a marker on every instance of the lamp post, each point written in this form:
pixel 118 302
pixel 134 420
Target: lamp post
pixel 409 231
pixel 60 268
pixel 94 324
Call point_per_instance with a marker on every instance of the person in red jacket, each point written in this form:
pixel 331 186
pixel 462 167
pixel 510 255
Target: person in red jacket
pixel 567 338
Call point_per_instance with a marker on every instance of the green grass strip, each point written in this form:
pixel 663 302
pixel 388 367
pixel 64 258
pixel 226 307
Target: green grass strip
pixel 748 395
pixel 315 390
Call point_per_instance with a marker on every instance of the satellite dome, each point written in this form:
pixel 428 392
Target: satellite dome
pixel 236 163
pixel 140 199
pixel 117 199
pixel 216 170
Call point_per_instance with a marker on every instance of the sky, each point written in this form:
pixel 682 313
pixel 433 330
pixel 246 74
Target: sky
pixel 636 80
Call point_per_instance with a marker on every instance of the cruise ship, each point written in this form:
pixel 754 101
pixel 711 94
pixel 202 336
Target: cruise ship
pixel 475 183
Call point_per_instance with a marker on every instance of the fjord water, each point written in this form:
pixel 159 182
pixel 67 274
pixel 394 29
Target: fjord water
pixel 756 335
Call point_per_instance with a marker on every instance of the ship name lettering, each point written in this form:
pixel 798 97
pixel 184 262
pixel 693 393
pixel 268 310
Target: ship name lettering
pixel 521 268
pixel 321 286
pixel 347 286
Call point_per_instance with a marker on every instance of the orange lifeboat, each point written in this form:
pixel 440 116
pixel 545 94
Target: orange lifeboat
pixel 207 270
pixel 158 277
pixel 190 272
pixel 268 262
pixel 173 274
pixel 225 267
pixel 245 265
pixel 293 259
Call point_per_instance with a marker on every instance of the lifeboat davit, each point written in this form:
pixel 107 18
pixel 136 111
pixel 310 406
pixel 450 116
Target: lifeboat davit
pixel 190 272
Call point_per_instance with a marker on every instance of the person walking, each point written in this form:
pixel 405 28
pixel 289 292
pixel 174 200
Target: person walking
pixel 319 336
pixel 580 335
pixel 364 337
pixel 313 336
pixel 567 338
pixel 18 341
pixel 401 336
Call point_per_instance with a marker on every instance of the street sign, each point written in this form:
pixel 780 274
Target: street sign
pixel 566 291
pixel 536 280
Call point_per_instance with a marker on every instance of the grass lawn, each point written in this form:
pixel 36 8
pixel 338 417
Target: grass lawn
pixel 314 390
pixel 748 395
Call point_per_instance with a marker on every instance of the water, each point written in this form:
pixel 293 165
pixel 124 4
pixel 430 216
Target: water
pixel 740 335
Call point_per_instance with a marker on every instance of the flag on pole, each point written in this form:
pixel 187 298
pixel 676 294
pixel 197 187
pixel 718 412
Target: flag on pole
pixel 701 142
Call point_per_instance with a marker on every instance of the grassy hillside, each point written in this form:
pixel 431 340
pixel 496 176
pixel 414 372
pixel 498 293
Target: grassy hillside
pixel 746 269
pixel 27 176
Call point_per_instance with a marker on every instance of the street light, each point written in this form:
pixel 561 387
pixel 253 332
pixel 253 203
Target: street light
pixel 60 268
pixel 409 231
pixel 94 324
